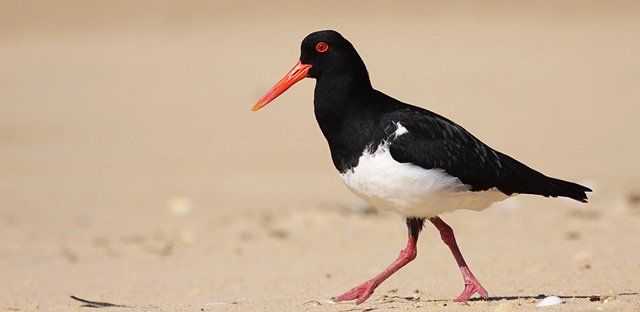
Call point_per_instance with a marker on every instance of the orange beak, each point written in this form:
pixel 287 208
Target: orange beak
pixel 297 73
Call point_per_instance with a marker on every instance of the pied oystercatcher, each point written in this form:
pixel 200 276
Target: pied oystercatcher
pixel 405 158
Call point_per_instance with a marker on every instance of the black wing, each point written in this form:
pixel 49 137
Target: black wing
pixel 436 142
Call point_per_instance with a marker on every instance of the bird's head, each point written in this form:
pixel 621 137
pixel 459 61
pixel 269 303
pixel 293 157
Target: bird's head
pixel 323 54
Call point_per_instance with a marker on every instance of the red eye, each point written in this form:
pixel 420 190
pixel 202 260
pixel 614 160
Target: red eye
pixel 322 47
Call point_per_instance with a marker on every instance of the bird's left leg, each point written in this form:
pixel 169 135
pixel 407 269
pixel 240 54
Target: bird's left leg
pixel 471 284
pixel 365 290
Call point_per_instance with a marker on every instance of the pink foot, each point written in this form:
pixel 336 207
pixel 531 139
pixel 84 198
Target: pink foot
pixel 361 292
pixel 471 286
pixel 469 290
pixel 365 290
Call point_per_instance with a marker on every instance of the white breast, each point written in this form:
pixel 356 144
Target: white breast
pixel 410 190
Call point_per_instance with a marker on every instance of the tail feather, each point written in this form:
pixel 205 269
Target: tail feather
pixel 568 189
pixel 519 178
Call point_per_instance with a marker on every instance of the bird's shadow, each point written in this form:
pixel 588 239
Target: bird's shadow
pixel 592 298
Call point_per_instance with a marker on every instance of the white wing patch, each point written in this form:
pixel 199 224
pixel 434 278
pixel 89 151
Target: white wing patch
pixel 400 130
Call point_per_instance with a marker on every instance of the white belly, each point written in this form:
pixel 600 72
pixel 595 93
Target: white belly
pixel 410 190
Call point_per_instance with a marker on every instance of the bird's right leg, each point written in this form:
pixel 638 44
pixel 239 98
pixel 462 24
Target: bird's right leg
pixel 365 290
pixel 471 284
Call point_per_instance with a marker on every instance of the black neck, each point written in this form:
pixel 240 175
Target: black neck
pixel 344 110
pixel 336 92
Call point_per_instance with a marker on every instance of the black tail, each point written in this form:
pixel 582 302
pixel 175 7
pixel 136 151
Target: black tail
pixel 518 178
pixel 557 187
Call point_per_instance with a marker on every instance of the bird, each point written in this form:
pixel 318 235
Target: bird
pixel 404 158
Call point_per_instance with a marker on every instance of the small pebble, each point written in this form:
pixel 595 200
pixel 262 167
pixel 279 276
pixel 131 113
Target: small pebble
pixel 633 202
pixel 180 206
pixel 417 294
pixel 572 235
pixel 549 301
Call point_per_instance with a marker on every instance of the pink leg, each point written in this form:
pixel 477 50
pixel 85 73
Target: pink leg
pixel 471 284
pixel 365 290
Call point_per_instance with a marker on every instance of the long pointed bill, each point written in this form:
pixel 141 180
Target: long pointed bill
pixel 297 73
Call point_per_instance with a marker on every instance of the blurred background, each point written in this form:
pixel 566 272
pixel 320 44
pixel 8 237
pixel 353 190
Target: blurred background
pixel 132 169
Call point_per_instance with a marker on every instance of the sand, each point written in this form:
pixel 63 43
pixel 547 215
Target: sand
pixel 132 170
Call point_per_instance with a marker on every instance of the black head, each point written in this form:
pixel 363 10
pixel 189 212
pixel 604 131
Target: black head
pixel 330 54
pixel 323 55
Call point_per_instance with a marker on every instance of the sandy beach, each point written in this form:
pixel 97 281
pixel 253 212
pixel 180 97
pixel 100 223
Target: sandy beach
pixel 133 172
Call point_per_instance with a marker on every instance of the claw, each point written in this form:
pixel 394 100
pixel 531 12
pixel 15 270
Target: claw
pixel 361 292
pixel 471 288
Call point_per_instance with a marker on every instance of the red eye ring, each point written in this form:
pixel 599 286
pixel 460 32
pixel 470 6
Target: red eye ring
pixel 322 47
